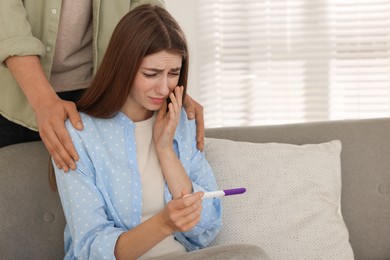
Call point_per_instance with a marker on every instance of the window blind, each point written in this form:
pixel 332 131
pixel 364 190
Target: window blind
pixel 284 61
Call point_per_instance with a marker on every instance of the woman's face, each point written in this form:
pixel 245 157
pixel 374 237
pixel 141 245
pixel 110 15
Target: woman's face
pixel 157 76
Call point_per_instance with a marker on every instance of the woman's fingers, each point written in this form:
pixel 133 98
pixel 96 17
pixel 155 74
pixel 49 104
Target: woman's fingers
pixel 176 97
pixel 174 107
pixel 189 221
pixel 179 95
pixel 185 212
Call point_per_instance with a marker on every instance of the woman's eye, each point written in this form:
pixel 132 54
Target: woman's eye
pixel 174 74
pixel 150 75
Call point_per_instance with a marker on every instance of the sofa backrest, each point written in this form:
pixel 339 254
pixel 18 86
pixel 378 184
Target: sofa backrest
pixel 365 167
pixel 32 221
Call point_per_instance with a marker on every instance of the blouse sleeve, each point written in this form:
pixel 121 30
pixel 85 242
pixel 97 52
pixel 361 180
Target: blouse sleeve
pixel 203 179
pixel 92 232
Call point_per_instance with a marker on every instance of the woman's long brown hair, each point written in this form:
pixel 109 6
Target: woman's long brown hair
pixel 143 31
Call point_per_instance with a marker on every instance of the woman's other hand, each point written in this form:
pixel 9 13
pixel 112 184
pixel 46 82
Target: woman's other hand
pixel 167 121
pixel 182 214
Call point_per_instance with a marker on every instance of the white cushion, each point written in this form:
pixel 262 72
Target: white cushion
pixel 291 206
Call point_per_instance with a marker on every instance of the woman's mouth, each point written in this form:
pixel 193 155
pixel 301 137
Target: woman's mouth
pixel 157 101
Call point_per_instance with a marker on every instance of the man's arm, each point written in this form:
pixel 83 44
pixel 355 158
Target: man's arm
pixel 50 111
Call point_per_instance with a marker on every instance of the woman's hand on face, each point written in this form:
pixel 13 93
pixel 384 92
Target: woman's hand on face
pixel 167 121
pixel 195 110
pixel 182 214
pixel 51 118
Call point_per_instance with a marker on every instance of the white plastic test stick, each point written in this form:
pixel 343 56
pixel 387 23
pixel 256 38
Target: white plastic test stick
pixel 213 194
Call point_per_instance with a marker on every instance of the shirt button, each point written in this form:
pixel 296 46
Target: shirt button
pixel 48 49
pixel 53 11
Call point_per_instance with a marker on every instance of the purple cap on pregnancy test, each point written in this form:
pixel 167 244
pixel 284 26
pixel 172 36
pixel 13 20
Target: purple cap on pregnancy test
pixel 234 191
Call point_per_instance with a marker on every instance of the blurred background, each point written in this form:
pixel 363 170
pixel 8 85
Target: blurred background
pixel 261 62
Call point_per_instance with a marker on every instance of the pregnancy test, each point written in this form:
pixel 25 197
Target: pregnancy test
pixel 222 193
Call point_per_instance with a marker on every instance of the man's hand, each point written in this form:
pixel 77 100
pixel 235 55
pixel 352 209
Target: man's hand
pixel 50 111
pixel 195 110
pixel 51 117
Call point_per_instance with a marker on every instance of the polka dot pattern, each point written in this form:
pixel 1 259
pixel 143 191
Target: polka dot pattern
pixel 103 197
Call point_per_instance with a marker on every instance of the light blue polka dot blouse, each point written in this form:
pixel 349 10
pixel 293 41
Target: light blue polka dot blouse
pixel 103 197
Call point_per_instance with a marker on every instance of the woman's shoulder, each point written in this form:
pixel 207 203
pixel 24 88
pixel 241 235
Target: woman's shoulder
pixel 91 125
pixel 186 126
pixel 184 121
pixel 85 119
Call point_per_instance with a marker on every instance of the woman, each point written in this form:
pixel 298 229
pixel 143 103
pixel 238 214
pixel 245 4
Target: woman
pixel 138 187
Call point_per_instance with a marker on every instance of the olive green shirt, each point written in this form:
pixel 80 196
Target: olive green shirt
pixel 30 27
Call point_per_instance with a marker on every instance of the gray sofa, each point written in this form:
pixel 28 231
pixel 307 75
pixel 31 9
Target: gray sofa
pixel 32 221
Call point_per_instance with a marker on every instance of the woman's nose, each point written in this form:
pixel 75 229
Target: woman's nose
pixel 163 87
